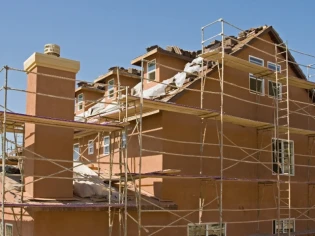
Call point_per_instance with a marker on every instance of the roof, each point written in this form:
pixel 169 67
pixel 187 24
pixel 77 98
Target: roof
pixel 234 46
pixel 172 51
pixel 88 88
pixel 130 72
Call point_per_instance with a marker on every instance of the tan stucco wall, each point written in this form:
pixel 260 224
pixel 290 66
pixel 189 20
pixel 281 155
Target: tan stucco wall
pixel 246 196
pixel 90 223
pixel 49 142
pixel 88 98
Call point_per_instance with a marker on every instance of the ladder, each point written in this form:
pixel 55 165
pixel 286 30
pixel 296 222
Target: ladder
pixel 284 146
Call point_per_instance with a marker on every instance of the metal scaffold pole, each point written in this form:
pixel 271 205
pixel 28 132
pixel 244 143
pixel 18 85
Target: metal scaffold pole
pixel 4 138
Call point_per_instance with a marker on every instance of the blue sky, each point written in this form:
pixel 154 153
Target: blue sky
pixel 101 34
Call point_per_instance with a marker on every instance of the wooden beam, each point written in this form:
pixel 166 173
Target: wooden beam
pixel 48 121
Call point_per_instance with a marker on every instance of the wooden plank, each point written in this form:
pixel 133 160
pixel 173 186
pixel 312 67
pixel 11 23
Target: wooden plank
pixel 17 117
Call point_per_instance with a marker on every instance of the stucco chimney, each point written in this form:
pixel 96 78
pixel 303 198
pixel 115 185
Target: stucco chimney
pixel 46 141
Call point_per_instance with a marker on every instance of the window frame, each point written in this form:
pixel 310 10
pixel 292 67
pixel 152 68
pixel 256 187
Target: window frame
pixel 78 153
pixel 207 224
pixel 123 139
pixel 274 224
pixel 152 71
pixel 292 163
pixel 109 90
pixel 276 66
pixel 280 90
pixel 8 224
pixel 250 56
pixel 80 103
pixel 251 76
pixel 106 145
pixel 90 152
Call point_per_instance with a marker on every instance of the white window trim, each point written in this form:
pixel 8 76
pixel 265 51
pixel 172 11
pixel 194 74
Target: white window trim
pixel 272 63
pixel 6 228
pixel 280 94
pixel 105 145
pixel 210 223
pixel 263 85
pixel 273 230
pixel 263 62
pixel 79 150
pixel 112 89
pixel 81 102
pixel 90 152
pixel 293 159
pixel 148 80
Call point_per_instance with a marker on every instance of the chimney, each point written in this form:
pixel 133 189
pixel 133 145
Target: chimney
pixel 46 141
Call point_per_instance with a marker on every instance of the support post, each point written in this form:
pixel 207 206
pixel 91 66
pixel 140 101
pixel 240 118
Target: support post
pixel 126 166
pixel 221 129
pixel 140 149
pixel 4 140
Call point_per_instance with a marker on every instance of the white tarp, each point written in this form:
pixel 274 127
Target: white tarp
pixel 179 79
pixel 93 186
pixel 157 90
pixel 192 69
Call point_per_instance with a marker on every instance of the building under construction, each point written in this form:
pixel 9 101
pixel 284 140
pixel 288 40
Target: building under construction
pixel 199 143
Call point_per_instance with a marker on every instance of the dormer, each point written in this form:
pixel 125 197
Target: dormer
pixel 160 64
pixel 86 95
pixel 116 77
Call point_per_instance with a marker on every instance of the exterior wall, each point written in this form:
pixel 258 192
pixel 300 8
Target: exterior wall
pixel 150 161
pixel 247 196
pixel 124 81
pixel 46 141
pixel 162 72
pixel 20 227
pixel 87 97
pixel 65 223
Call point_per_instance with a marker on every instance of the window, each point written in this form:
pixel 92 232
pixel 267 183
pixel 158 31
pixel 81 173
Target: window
pixel 123 139
pixel 256 60
pixel 283 156
pixel 76 152
pixel 206 229
pixel 106 145
pixel 151 70
pixel 90 147
pixel 284 226
pixel 111 88
pixel 256 85
pixel 275 89
pixel 80 101
pixel 272 66
pixel 8 229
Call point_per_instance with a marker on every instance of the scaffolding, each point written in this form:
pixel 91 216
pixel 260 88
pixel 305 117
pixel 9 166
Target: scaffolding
pixel 133 109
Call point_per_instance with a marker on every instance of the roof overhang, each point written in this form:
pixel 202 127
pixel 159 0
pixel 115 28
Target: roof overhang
pixel 137 61
pixel 101 78
pixel 82 88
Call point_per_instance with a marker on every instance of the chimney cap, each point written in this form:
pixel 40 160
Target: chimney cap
pixel 52 49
